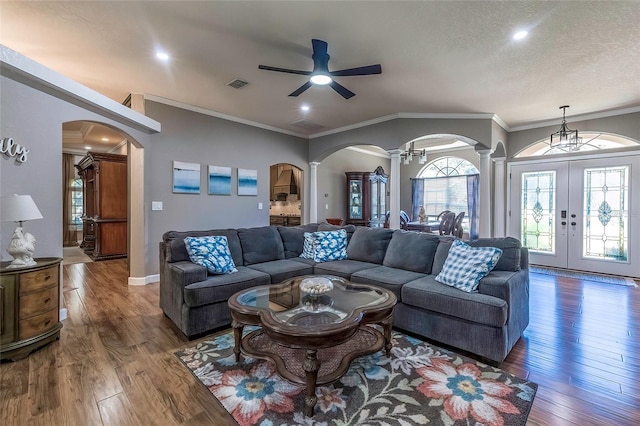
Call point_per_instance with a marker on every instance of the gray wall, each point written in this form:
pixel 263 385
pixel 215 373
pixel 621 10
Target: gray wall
pixel 624 125
pixel 198 138
pixel 33 118
pixel 332 179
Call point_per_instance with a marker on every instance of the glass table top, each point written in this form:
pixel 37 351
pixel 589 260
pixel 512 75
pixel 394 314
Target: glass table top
pixel 327 300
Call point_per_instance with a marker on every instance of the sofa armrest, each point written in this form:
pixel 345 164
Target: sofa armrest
pixel 512 287
pixel 184 273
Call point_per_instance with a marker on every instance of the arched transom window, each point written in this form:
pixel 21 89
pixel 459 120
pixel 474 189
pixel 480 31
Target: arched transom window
pixel 590 142
pixel 448 166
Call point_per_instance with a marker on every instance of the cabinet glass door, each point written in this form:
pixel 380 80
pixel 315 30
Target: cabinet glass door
pixel 355 199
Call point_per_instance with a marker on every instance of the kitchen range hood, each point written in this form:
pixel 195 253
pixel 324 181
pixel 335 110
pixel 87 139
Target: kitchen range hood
pixel 286 183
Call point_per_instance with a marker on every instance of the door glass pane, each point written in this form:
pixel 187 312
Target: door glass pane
pixel 538 211
pixel 374 201
pixel 606 215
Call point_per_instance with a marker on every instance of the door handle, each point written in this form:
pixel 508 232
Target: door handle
pixel 573 216
pixel 563 223
pixel 573 224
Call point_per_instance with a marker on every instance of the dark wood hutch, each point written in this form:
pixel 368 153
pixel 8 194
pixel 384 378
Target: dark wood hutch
pixel 367 198
pixel 105 198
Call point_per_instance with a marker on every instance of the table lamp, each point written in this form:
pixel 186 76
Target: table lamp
pixel 20 208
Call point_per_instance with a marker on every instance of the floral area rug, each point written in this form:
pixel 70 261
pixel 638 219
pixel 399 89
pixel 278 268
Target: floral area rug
pixel 419 384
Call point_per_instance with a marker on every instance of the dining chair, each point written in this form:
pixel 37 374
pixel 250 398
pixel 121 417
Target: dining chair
pixel 457 226
pixel 447 223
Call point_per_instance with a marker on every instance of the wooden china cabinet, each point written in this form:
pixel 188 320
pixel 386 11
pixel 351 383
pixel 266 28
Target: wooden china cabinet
pixel 104 219
pixel 367 198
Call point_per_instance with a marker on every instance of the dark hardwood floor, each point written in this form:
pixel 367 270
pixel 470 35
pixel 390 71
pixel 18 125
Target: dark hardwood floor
pixel 114 362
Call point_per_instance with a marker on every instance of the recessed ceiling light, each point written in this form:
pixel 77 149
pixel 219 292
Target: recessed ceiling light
pixel 520 35
pixel 87 147
pixel 305 108
pixel 163 56
pixel 105 139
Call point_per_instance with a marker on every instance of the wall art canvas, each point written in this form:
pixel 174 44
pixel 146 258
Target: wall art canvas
pixel 247 182
pixel 219 180
pixel 186 178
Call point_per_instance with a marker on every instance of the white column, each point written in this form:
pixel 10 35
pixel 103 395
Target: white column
pixel 484 197
pixel 313 192
pixel 394 189
pixel 499 216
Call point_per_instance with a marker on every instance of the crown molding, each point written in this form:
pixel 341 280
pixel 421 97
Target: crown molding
pixel 205 111
pixel 365 151
pixel 575 118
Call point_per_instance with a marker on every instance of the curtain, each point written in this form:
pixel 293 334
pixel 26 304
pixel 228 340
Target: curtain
pixel 417 196
pixel 472 205
pixel 69 229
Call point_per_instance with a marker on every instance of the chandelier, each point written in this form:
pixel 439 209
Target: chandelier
pixel 407 156
pixel 565 138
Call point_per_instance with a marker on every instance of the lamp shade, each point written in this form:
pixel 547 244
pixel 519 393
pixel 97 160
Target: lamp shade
pixel 18 208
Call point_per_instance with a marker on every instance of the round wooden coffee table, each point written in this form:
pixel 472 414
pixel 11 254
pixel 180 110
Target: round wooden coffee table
pixel 312 337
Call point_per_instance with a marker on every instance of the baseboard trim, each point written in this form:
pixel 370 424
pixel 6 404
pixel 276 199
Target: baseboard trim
pixel 144 280
pixel 63 314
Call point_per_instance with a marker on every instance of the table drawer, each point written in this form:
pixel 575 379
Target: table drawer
pixel 37 324
pixel 33 303
pixel 38 280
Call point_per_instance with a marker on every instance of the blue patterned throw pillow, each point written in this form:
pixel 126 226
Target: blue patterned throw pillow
pixel 330 245
pixel 466 266
pixel 212 252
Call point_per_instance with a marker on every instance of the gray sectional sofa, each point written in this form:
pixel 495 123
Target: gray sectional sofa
pixel 487 323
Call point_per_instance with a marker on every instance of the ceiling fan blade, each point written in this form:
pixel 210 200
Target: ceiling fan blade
pixel 344 92
pixel 367 70
pixel 301 89
pixel 268 68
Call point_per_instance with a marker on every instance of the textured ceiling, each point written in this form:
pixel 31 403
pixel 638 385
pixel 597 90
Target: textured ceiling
pixel 437 57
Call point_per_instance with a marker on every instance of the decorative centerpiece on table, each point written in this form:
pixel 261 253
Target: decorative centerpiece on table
pixel 314 291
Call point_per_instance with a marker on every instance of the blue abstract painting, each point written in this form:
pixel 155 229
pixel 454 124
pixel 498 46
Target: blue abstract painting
pixel 219 180
pixel 186 178
pixel 247 182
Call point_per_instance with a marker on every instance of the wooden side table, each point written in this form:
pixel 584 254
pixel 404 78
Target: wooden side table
pixel 30 310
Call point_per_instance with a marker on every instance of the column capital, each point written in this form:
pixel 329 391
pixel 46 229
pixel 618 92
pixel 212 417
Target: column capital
pixel 499 160
pixel 484 153
pixel 395 153
pixel 314 163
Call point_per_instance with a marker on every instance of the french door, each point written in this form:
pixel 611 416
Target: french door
pixel 580 214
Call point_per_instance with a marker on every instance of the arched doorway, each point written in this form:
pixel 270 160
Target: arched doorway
pixel 286 186
pixel 79 137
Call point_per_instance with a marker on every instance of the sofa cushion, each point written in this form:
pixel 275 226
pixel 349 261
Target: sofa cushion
pixel 218 288
pixel 260 244
pixel 176 250
pixel 369 244
pixel 342 268
pixel 212 252
pixel 441 254
pixel 292 238
pixel 390 278
pixel 427 293
pixel 282 269
pixel 411 251
pixel 466 265
pixel 510 260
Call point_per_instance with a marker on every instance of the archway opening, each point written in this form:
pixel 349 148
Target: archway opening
pixel 286 186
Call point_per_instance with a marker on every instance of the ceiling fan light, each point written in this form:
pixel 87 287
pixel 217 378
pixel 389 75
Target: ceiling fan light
pixel 321 79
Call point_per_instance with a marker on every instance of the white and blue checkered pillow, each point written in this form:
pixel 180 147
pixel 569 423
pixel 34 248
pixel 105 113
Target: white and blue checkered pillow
pixel 466 266
pixel 212 252
pixel 323 246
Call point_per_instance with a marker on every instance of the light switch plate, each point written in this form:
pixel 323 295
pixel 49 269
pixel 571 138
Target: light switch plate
pixel 156 205
pixel 259 206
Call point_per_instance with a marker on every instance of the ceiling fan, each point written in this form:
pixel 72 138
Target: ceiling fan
pixel 321 74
